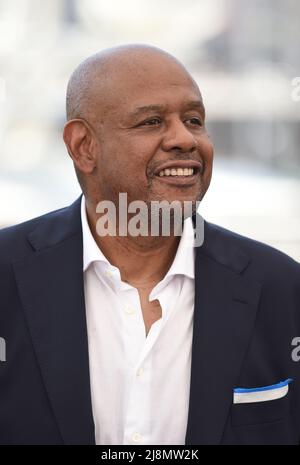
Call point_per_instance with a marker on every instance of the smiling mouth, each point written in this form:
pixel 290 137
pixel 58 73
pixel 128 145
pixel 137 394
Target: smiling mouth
pixel 179 175
pixel 177 172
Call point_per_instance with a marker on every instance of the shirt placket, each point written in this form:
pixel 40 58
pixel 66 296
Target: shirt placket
pixel 137 427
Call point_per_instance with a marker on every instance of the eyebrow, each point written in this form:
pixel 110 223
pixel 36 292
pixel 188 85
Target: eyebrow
pixel 138 111
pixel 193 104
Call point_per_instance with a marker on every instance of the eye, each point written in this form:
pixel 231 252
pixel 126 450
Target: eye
pixel 196 121
pixel 151 122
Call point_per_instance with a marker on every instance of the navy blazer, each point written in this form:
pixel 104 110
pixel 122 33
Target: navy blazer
pixel 247 312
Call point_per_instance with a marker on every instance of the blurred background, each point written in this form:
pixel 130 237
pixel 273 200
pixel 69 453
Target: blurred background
pixel 245 58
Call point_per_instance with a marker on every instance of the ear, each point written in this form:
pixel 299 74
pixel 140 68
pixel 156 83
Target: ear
pixel 80 143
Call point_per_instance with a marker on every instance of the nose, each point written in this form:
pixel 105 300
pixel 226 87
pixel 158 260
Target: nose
pixel 178 137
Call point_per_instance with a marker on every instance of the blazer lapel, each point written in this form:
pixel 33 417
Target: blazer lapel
pixel 50 283
pixel 226 299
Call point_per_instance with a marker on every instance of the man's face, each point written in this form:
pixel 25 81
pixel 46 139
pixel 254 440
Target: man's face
pixel 154 119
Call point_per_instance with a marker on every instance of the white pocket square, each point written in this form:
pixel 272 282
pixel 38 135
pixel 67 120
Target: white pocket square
pixel 261 394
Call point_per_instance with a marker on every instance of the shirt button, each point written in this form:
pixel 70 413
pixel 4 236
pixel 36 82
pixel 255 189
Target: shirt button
pixel 140 371
pixel 130 311
pixel 136 437
pixel 109 274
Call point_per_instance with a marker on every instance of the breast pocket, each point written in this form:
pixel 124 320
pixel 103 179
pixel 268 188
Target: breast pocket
pixel 260 412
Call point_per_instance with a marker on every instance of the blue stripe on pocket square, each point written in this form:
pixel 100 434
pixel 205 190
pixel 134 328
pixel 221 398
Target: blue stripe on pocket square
pixel 261 394
pixel 265 388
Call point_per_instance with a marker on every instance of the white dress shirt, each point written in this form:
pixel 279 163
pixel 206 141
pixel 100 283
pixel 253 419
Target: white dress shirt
pixel 139 385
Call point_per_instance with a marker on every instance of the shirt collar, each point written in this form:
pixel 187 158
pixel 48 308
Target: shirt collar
pixel 91 251
pixel 183 263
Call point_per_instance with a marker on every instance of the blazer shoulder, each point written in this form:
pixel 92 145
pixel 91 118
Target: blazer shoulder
pixel 13 239
pixel 267 260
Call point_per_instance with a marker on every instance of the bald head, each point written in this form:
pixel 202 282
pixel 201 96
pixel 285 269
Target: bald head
pixel 93 82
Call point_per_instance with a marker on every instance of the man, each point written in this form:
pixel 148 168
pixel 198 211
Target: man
pixel 136 339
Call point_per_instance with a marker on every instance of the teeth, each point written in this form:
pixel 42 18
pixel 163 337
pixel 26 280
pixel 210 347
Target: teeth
pixel 177 172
